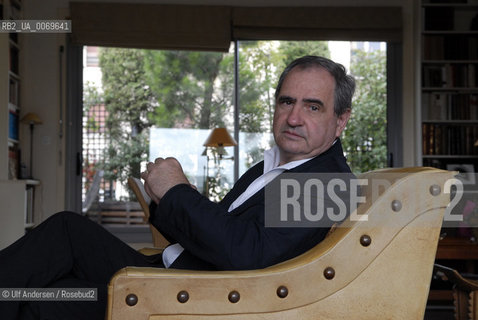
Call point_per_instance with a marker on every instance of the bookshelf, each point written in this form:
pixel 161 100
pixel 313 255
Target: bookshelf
pixel 17 195
pixel 449 84
pixel 12 11
pixel 449 116
pixel 10 86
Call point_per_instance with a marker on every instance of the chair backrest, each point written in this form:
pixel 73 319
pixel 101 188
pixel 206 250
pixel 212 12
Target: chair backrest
pixel 375 269
pixel 93 192
pixel 144 200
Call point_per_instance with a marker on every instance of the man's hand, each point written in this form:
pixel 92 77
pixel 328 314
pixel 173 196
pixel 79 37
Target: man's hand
pixel 161 176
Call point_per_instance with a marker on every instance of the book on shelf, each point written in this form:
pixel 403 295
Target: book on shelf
pixel 450 75
pixel 434 47
pixel 472 75
pixel 463 107
pixel 450 47
pixel 460 75
pixel 473 106
pixel 13 162
pixel 434 76
pixel 449 139
pixel 449 106
pixel 13 124
pixel 434 106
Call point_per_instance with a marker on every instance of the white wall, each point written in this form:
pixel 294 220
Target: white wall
pixel 40 87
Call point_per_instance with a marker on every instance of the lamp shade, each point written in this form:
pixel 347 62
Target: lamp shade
pixel 31 118
pixel 219 137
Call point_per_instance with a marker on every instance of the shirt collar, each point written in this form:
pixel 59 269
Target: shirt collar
pixel 272 160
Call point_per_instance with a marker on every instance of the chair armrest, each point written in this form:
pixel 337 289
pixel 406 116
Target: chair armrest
pixel 456 278
pixel 159 291
pixel 148 251
pixel 464 292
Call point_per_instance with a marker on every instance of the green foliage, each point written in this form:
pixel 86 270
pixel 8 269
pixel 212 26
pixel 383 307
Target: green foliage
pixel 365 138
pixel 258 75
pixel 124 158
pixel 128 101
pixel 295 49
pixel 91 98
pixel 196 89
pixel 184 83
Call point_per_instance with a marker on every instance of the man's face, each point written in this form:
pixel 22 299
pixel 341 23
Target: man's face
pixel 305 124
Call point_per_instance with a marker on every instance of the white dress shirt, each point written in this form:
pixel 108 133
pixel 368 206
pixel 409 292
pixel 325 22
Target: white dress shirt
pixel 271 170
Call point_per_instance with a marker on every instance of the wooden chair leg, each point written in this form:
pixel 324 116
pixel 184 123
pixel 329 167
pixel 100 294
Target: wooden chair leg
pixel 461 301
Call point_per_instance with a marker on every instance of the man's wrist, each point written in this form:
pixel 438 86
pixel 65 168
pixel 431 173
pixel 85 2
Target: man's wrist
pixel 178 187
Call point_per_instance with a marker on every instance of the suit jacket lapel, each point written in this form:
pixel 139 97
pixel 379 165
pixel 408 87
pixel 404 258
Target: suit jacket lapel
pixel 313 165
pixel 241 185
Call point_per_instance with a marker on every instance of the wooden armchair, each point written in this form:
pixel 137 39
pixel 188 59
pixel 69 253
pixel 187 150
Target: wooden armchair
pixel 375 269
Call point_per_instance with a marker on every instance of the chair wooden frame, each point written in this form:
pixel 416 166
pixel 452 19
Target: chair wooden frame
pixel 375 269
pixel 465 293
pixel 144 200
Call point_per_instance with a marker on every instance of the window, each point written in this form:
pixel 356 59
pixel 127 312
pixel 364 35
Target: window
pixel 143 104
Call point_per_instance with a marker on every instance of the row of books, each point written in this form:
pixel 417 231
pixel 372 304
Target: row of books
pixel 446 106
pixel 448 139
pixel 450 47
pixel 444 18
pixel 450 75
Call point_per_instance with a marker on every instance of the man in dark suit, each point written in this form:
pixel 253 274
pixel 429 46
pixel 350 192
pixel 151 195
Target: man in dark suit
pixel 313 104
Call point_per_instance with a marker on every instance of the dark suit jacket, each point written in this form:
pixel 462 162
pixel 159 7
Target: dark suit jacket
pixel 217 240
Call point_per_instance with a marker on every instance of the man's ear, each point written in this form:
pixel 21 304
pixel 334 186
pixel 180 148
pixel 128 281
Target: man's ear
pixel 342 122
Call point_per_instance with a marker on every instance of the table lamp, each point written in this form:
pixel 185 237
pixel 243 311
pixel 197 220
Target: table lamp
pixel 218 138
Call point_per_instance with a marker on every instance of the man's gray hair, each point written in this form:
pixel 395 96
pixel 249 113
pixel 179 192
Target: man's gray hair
pixel 344 84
